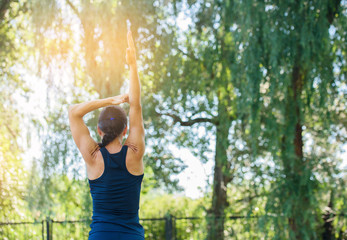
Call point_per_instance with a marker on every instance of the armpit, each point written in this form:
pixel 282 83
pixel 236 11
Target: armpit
pixel 133 147
pixel 95 150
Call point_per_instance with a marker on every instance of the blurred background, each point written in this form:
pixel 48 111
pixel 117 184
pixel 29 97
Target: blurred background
pixel 244 104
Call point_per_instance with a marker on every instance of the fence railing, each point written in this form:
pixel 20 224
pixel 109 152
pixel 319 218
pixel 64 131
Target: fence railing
pixel 22 230
pixel 168 228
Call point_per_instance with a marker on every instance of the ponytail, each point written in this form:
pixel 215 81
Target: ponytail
pixel 106 139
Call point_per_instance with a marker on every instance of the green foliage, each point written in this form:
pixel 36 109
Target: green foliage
pixel 258 87
pixel 65 198
pixel 154 205
pixel 275 68
pixel 95 55
pixel 12 173
pixel 290 92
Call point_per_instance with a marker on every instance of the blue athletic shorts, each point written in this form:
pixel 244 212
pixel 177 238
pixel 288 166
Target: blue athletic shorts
pixel 114 236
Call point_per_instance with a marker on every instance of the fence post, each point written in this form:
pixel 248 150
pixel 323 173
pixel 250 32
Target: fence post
pixel 48 221
pixel 168 227
pixel 43 229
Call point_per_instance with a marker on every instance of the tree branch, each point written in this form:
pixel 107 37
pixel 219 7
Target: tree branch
pixel 196 59
pixel 333 9
pixel 191 56
pixel 248 198
pixel 190 122
pixel 4 6
pixel 10 131
pixel 74 9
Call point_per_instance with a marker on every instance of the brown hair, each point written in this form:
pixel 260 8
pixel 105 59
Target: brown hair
pixel 112 122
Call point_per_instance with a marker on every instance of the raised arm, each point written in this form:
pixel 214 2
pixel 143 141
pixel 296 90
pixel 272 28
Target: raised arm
pixel 79 130
pixel 136 138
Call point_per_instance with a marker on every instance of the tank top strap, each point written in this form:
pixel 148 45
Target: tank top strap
pixel 105 156
pixel 124 155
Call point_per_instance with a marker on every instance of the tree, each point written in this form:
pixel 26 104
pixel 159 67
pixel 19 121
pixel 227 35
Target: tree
pixel 94 57
pixel 12 172
pixel 257 87
pixel 290 62
pixel 192 86
pixel 268 66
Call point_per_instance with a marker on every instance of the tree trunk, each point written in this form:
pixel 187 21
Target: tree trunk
pixel 298 220
pixel 222 176
pixel 328 218
pixel 4 6
pixel 295 221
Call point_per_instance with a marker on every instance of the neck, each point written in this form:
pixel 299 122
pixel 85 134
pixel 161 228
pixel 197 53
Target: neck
pixel 114 146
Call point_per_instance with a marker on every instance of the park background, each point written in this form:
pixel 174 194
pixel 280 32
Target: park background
pixel 244 105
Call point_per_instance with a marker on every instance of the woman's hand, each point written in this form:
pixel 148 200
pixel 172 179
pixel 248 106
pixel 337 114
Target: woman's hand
pixel 116 100
pixel 130 54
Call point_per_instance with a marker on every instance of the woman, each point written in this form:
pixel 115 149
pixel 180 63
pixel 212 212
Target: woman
pixel 115 171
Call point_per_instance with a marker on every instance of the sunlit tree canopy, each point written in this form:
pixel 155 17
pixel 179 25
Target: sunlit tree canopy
pixel 254 90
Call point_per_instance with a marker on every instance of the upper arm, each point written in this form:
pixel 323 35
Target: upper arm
pixel 136 138
pixel 81 135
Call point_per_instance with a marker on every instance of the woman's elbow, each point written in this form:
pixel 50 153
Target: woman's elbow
pixel 72 111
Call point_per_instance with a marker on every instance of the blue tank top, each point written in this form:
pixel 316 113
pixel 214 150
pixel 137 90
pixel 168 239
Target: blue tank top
pixel 116 196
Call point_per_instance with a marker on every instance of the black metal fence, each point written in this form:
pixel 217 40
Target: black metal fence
pixel 166 228
pixel 22 230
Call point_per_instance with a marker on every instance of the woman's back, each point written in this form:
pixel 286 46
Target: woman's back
pixel 116 195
